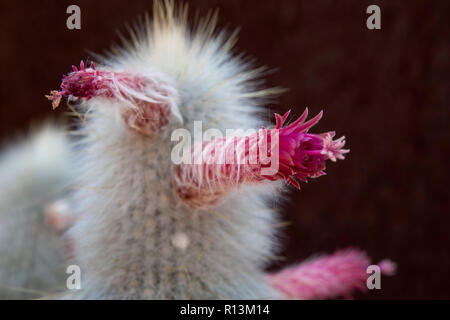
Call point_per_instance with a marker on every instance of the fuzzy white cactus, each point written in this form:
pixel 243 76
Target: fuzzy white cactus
pixel 33 173
pixel 143 227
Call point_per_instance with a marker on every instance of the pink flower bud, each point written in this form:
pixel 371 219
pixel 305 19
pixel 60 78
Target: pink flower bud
pixel 293 153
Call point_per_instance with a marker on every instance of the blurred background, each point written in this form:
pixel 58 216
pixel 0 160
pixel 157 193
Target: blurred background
pixel 387 90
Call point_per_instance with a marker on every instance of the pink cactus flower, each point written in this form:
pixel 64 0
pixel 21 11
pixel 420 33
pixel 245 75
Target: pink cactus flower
pixel 297 154
pixel 303 155
pixel 328 277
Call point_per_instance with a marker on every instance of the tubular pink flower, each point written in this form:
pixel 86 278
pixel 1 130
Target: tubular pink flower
pixel 149 101
pixel 333 276
pixel 288 153
pixel 303 154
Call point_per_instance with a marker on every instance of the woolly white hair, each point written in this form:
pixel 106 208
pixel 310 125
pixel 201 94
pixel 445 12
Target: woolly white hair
pixel 33 173
pixel 134 239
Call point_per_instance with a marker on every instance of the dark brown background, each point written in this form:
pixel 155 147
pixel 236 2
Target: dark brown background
pixel 386 90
